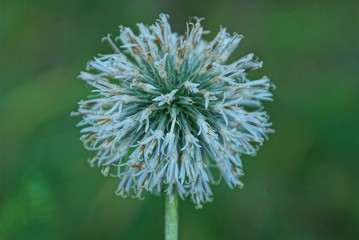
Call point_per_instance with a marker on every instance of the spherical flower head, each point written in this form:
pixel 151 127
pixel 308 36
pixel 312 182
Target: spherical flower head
pixel 168 114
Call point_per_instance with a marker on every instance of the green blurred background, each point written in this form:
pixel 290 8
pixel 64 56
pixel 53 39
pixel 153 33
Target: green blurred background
pixel 303 184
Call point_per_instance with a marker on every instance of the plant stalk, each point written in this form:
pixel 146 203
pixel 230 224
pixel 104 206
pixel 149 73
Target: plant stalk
pixel 171 218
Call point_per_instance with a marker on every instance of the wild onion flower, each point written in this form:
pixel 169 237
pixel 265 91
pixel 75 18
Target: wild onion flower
pixel 169 114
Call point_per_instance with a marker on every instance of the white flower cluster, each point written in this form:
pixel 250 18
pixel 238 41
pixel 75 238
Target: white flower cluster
pixel 168 114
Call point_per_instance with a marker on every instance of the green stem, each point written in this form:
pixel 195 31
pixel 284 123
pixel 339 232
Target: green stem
pixel 171 218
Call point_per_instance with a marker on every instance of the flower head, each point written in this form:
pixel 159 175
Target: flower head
pixel 168 113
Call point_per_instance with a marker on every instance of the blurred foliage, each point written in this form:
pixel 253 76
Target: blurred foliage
pixel 303 183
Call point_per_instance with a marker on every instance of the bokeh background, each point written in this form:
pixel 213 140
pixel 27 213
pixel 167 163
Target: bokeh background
pixel 303 184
